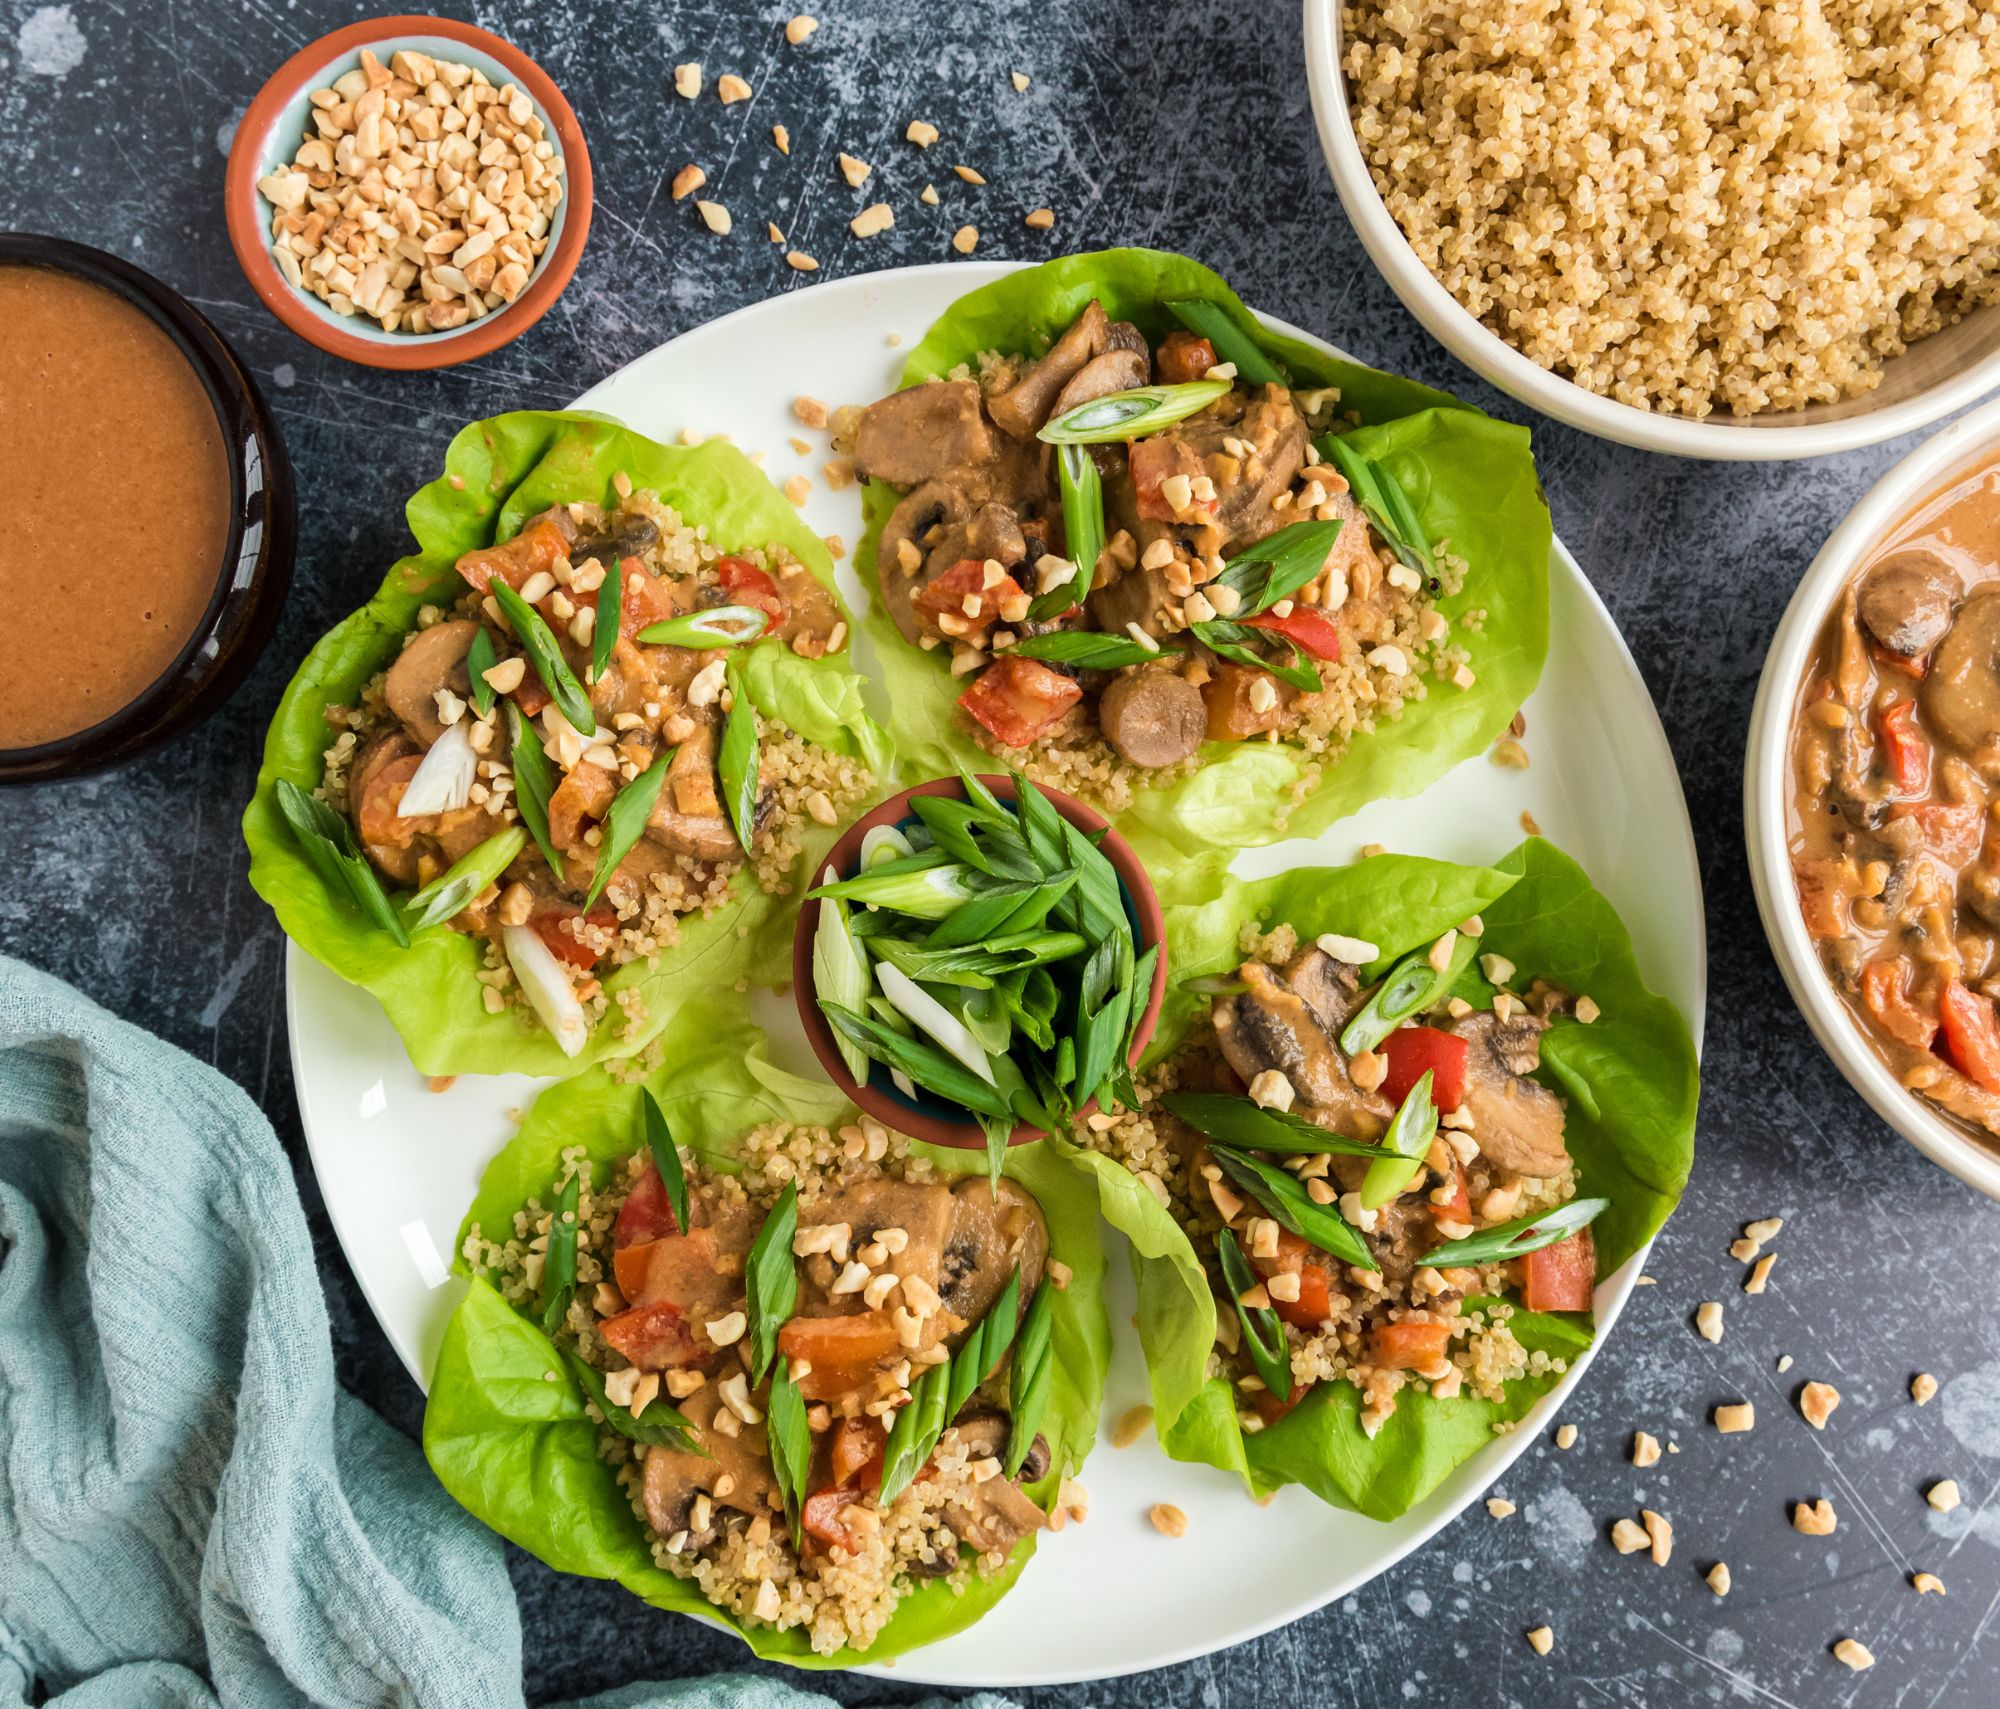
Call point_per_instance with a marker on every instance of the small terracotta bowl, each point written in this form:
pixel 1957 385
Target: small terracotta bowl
pixel 277 122
pixel 924 1117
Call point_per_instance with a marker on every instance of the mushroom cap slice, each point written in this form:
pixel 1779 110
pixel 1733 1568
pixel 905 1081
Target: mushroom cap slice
pixel 931 505
pixel 434 659
pixel 993 1229
pixel 1961 692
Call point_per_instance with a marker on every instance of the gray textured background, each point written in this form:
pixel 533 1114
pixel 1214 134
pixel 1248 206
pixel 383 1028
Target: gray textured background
pixel 1183 123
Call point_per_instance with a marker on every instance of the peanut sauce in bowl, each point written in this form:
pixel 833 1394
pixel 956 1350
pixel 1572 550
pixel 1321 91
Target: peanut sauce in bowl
pixel 150 526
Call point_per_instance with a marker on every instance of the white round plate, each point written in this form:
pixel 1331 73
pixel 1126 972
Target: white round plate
pixel 398 1163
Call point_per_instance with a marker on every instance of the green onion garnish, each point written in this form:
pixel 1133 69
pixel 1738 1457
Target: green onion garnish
pixel 1382 500
pixel 1123 416
pixel 1031 1378
pixel 1229 1120
pixel 914 1434
pixel 771 1281
pixel 1263 1334
pixel 625 823
pixel 738 762
pixel 925 1064
pixel 559 1259
pixel 452 892
pixel 1286 1200
pixel 1404 1147
pixel 327 842
pixel 718 626
pixel 543 653
pixel 534 782
pixel 840 974
pixel 610 607
pixel 663 1426
pixel 789 1437
pixel 1083 530
pixel 1275 567
pixel 479 660
pixel 1410 987
pixel 979 1355
pixel 930 893
pixel 666 1157
pixel 1228 340
pixel 1518 1238
pixel 1088 650
pixel 1232 641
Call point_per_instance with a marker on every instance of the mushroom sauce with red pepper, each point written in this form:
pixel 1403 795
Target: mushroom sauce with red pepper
pixel 1894 841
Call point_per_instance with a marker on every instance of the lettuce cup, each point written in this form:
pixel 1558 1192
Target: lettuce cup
pixel 1227 588
pixel 761 1359
pixel 1399 1118
pixel 561 771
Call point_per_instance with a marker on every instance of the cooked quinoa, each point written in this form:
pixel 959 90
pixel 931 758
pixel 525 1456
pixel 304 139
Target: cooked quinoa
pixel 841 1598
pixel 1718 205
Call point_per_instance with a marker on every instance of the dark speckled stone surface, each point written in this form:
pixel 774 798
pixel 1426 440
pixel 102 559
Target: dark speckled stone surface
pixel 1184 123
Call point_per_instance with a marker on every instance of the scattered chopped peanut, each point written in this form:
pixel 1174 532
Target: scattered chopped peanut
pixel 1660 1534
pixel 969 175
pixel 1925 1583
pixel 1041 219
pixel 687 80
pixel 854 171
pixel 731 88
pixel 1168 1519
pixel 1923 1387
pixel 800 262
pixel 1718 1578
pixel 715 216
pixel 1708 1320
pixel 1734 1419
pixel 1020 81
pixel 928 195
pixel 921 133
pixel 1500 1507
pixel 688 180
pixel 966 239
pixel 1133 1423
pixel 1943 1495
pixel 1541 1640
pixel 782 139
pixel 1566 1436
pixel 1628 1538
pixel 1645 1449
pixel 1817 1401
pixel 1851 1652
pixel 1817 1520
pixel 873 220
pixel 800 28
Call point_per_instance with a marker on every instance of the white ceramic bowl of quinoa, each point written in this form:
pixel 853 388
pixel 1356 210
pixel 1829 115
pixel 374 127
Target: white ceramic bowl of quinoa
pixel 1934 376
pixel 1768 784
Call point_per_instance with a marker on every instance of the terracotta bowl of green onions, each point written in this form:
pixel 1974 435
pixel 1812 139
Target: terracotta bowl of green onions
pixel 981 963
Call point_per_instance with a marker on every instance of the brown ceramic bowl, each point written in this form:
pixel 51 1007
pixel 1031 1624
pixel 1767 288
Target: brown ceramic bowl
pixel 275 125
pixel 255 567
pixel 924 1117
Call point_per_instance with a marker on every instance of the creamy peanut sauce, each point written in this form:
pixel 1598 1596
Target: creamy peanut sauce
pixel 118 504
pixel 1894 820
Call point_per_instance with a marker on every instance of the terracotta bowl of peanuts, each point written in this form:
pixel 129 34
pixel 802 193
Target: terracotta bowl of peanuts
pixel 409 192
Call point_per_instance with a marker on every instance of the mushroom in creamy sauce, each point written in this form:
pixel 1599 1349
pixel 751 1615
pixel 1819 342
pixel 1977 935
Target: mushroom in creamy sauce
pixel 1895 760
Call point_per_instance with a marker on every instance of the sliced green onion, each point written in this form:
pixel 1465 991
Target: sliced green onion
pixel 1263 1334
pixel 840 974
pixel 1229 1120
pixel 976 966
pixel 1083 531
pixel 1286 1200
pixel 1211 985
pixel 534 782
pixel 479 660
pixel 1275 567
pixel 559 1256
pixel 546 656
pixel 1231 641
pixel 922 1063
pixel 914 1434
pixel 1032 1377
pixel 930 894
pixel 1403 1147
pixel 881 843
pixel 1382 500
pixel 983 1013
pixel 930 1016
pixel 1410 987
pixel 1518 1238
pixel 1122 416
pixel 663 1425
pixel 625 824
pixel 545 982
pixel 980 1353
pixel 771 1280
pixel 1088 650
pixel 666 1157
pixel 718 626
pixel 327 842
pixel 1228 340
pixel 452 892
pixel 738 763
pixel 789 1437
pixel 610 607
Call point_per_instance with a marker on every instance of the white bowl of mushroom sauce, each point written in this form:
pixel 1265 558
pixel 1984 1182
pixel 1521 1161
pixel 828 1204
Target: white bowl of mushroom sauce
pixel 1872 797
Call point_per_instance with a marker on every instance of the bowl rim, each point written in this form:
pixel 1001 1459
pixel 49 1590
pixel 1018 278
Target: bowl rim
pixel 248 236
pixel 932 1130
pixel 1466 337
pixel 1766 787
pixel 259 536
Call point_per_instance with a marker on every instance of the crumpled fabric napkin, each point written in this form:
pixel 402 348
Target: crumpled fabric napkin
pixel 191 1512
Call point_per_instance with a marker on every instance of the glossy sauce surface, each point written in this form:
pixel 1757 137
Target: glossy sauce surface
pixel 118 504
pixel 1894 837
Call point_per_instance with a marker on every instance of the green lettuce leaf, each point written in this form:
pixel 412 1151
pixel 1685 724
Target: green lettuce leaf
pixel 497 474
pixel 1471 480
pixel 518 1449
pixel 1630 1081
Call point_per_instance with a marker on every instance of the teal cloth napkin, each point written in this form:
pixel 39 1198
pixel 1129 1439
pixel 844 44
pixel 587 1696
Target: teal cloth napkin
pixel 191 1512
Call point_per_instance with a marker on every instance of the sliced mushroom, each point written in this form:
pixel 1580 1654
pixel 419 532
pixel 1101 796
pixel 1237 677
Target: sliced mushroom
pixel 996 1514
pixel 1906 601
pixel 434 659
pixel 375 782
pixel 688 817
pixel 1330 988
pixel 633 537
pixel 674 1478
pixel 1138 596
pixel 932 505
pixel 1024 406
pixel 1153 716
pixel 1516 1122
pixel 993 1230
pixel 924 433
pixel 1268 1026
pixel 1962 690
pixel 1114 371
pixel 1244 487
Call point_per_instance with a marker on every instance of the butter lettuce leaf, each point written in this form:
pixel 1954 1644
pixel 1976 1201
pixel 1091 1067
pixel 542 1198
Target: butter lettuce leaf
pixel 497 474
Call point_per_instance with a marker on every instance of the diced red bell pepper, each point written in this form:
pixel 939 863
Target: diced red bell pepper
pixel 647 1213
pixel 820 1516
pixel 856 1452
pixel 1561 1277
pixel 1408 1345
pixel 844 1352
pixel 673 1267
pixel 540 542
pixel 1971 1034
pixel 1826 887
pixel 1309 628
pixel 1457 1208
pixel 962 595
pixel 1017 699
pixel 1412 1050
pixel 643 599
pixel 747 585
pixel 532 697
pixel 1916 669
pixel 1885 992
pixel 1155 461
pixel 1181 357
pixel 1906 749
pixel 563 946
pixel 1315 1303
pixel 1951 829
pixel 655 1336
